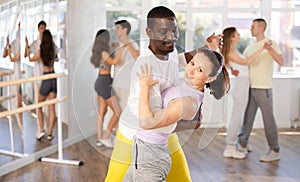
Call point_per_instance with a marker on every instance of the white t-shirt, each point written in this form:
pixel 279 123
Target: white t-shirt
pixel 38 64
pixel 164 71
pixel 123 69
pixel 261 70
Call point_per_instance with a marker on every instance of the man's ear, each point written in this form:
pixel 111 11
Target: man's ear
pixel 149 32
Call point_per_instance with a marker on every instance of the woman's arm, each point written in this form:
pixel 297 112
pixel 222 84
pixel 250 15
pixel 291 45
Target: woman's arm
pixel 33 58
pixel 244 61
pixel 13 58
pixel 135 53
pixel 163 117
pixel 112 61
pixel 27 50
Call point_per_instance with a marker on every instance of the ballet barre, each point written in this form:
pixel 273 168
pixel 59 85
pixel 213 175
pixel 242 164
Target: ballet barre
pixel 41 104
pixel 6 73
pixel 8 97
pixel 4 98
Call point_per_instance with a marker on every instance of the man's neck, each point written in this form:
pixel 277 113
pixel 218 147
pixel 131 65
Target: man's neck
pixel 160 56
pixel 124 39
pixel 260 37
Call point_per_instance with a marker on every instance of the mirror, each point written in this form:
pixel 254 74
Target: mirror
pixel 20 137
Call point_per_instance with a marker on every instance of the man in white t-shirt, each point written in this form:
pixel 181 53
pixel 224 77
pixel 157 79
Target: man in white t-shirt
pixel 38 65
pixel 122 70
pixel 162 30
pixel 13 51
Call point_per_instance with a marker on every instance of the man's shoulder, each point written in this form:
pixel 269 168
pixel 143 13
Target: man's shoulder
pixel 35 42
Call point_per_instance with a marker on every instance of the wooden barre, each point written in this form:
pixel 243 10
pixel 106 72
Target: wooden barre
pixel 32 79
pixel 5 73
pixel 4 98
pixel 32 106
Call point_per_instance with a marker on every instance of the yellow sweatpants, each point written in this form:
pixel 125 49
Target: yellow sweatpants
pixel 122 154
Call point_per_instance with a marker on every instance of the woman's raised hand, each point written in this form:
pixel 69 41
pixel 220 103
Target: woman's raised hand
pixel 145 78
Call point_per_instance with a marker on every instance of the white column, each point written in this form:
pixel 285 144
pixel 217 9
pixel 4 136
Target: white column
pixel 85 17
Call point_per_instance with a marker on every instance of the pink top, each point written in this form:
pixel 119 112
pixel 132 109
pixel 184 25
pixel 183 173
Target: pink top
pixel 156 137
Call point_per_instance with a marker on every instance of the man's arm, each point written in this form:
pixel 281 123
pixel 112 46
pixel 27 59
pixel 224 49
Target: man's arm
pixel 162 117
pixel 276 56
pixel 213 42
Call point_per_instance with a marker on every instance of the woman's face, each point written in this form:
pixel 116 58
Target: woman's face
pixel 236 37
pixel 197 71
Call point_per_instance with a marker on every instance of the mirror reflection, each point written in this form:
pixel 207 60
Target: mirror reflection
pixel 28 130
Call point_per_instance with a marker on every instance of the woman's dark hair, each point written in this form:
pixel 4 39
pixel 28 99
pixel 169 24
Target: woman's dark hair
pixel 101 43
pixel 220 86
pixel 47 49
pixel 228 33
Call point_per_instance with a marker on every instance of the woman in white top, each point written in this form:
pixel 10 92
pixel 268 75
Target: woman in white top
pixel 234 60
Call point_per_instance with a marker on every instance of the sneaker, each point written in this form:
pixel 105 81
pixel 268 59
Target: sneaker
pixel 98 143
pixel 232 152
pixel 242 149
pixel 113 138
pixel 50 137
pixel 107 143
pixel 40 135
pixel 271 156
pixel 249 148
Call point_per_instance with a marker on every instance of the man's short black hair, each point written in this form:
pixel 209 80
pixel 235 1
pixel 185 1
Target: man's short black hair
pixel 158 12
pixel 42 23
pixel 124 24
pixel 261 21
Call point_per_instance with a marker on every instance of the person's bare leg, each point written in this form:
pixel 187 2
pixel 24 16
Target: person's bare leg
pixel 113 103
pixel 102 109
pixel 40 113
pixel 52 95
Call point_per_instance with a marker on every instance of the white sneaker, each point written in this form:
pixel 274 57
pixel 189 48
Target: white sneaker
pixel 271 156
pixel 40 135
pixel 231 152
pixel 107 143
pixel 113 138
pixel 98 143
pixel 240 148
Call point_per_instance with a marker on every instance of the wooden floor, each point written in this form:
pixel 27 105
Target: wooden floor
pixel 28 144
pixel 206 164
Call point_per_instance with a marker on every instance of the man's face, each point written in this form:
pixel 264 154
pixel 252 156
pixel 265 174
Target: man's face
pixel 254 29
pixel 41 28
pixel 120 30
pixel 163 35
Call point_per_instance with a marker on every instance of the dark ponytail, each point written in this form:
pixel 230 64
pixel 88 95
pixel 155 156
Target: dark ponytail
pixel 220 86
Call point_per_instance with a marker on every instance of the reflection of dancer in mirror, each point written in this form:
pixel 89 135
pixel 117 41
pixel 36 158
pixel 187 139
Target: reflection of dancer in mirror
pixel 239 90
pixel 48 54
pixel 37 68
pixel 122 70
pixel 151 157
pixel 102 59
pixel 13 51
pixel 162 31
